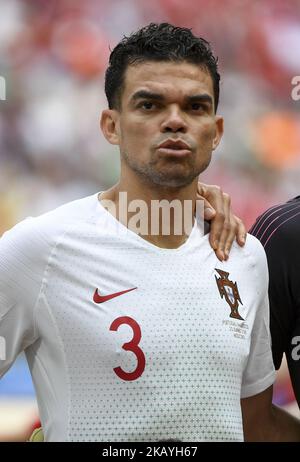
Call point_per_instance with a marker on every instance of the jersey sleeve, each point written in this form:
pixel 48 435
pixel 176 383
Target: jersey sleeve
pixel 259 373
pixel 283 254
pixel 284 290
pixel 21 253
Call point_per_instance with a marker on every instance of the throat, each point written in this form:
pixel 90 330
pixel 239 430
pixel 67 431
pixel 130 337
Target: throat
pixel 166 242
pixel 161 223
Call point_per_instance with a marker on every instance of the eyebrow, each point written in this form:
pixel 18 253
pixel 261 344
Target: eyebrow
pixel 202 98
pixel 144 94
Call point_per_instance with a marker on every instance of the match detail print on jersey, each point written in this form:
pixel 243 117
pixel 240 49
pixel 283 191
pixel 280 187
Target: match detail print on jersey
pixel 131 346
pixel 104 298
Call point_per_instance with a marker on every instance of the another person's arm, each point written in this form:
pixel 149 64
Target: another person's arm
pixel 278 229
pixel 225 226
pixel 263 421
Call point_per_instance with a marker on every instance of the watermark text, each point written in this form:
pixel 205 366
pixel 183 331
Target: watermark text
pixel 156 217
pixel 2 88
pixel 2 349
pixel 296 349
pixel 295 94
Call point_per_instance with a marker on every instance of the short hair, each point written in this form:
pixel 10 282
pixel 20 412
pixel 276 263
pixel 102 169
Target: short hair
pixel 158 42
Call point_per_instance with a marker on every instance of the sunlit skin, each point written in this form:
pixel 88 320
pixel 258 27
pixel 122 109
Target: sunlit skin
pixel 160 101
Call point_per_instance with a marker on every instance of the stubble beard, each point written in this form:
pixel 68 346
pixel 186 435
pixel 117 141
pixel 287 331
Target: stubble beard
pixel 151 174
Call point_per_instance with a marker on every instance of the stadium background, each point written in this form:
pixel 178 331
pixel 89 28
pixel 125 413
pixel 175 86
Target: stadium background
pixel 53 55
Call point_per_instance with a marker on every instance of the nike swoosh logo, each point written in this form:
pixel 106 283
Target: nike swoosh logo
pixel 104 298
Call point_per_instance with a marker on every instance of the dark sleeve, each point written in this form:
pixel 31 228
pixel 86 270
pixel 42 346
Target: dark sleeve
pixel 282 246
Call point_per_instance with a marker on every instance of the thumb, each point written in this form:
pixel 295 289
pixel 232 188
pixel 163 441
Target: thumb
pixel 209 213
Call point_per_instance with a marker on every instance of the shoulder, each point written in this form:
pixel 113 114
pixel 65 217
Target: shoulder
pixel 27 246
pixel 279 224
pixel 250 261
pixel 47 226
pixel 253 252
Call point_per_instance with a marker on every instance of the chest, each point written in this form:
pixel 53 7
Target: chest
pixel 134 311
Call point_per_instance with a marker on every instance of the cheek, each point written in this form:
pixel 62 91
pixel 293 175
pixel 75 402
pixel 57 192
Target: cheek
pixel 137 134
pixel 134 129
pixel 134 141
pixel 207 132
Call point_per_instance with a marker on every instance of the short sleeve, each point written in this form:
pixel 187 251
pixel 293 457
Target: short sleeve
pixel 21 253
pixel 259 373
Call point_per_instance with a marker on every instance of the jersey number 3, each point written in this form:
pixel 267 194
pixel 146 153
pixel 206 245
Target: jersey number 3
pixel 133 346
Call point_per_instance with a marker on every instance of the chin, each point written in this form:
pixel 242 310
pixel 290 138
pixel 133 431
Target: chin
pixel 176 175
pixel 172 181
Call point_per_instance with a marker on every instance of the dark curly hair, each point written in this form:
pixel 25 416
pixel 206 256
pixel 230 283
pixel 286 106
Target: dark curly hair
pixel 158 42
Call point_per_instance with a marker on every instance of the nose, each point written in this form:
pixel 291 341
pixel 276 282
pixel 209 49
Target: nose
pixel 174 122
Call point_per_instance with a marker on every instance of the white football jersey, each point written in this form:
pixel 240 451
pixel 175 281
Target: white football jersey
pixel 127 341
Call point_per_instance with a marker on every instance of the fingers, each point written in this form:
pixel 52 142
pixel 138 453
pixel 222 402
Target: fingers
pixel 227 239
pixel 233 229
pixel 209 211
pixel 241 232
pixel 213 197
pixel 217 223
pixel 228 231
pixel 225 227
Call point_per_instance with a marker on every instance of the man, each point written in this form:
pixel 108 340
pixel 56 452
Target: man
pixel 144 337
pixel 278 229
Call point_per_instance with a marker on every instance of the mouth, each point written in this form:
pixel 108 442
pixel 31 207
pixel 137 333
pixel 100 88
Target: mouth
pixel 176 148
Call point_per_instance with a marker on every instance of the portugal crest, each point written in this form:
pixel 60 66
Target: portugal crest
pixel 229 290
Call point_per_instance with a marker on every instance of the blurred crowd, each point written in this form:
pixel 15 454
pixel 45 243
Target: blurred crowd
pixel 53 55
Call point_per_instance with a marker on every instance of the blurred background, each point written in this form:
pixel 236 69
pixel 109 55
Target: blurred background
pixel 53 55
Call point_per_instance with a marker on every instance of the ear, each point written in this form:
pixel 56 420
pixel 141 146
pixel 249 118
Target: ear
pixel 219 121
pixel 110 127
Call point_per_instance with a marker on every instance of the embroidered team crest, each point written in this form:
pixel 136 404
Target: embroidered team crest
pixel 229 290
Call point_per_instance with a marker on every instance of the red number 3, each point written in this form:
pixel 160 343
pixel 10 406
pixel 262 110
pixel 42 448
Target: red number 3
pixel 131 346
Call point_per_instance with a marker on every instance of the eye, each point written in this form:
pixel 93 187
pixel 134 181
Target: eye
pixel 198 107
pixel 146 105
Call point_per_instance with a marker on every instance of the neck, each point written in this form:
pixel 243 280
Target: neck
pixel 139 207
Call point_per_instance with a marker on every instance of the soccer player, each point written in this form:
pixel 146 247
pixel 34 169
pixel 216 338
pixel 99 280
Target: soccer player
pixel 144 336
pixel 278 229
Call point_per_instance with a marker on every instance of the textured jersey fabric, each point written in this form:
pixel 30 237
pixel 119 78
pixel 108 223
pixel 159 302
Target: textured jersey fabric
pixel 127 341
pixel 278 229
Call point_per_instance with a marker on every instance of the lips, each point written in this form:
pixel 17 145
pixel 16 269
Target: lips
pixel 174 148
pixel 177 145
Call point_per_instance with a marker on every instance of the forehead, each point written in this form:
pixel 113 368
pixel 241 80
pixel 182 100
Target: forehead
pixel 172 79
